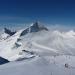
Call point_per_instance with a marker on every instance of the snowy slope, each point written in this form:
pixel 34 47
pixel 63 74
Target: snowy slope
pixel 37 39
pixel 36 50
pixel 40 66
pixel 54 42
pixel 11 48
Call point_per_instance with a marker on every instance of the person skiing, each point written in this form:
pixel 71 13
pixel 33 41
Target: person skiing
pixel 66 65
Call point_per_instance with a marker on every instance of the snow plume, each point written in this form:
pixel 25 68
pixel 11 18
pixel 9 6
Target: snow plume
pixel 41 40
pixel 61 27
pixel 38 51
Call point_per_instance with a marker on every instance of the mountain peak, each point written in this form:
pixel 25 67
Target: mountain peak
pixel 35 23
pixel 7 31
pixel 35 27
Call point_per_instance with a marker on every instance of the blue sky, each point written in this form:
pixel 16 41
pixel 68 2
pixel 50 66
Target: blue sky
pixel 46 11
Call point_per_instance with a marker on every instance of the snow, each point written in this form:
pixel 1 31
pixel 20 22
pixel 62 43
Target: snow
pixel 4 36
pixel 38 53
pixel 41 42
pixel 39 66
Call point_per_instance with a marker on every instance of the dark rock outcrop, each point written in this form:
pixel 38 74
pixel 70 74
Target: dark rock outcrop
pixel 3 61
pixel 9 31
pixel 34 28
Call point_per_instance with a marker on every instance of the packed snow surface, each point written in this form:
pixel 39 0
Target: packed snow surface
pixel 40 66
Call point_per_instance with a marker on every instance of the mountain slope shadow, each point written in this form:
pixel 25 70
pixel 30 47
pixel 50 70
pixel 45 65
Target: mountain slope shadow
pixel 3 61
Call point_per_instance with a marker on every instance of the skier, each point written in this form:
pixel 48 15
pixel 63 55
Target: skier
pixel 66 65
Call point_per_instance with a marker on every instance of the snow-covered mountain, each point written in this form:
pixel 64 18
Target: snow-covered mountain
pixel 37 50
pixel 34 27
pixel 9 31
pixel 37 39
pixel 12 43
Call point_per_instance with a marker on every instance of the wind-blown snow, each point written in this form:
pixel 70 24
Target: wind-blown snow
pixel 41 42
pixel 38 51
